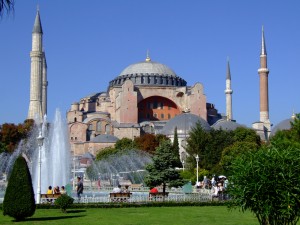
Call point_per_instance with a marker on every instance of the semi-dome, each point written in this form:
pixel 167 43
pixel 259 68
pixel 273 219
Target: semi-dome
pixel 105 138
pixel 226 125
pixel 184 123
pixel 148 73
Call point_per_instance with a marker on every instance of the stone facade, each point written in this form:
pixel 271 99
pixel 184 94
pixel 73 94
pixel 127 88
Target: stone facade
pixel 140 100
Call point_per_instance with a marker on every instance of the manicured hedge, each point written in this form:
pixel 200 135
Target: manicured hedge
pixel 130 205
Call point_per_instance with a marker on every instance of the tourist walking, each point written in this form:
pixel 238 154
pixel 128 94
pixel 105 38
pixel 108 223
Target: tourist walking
pixel 79 188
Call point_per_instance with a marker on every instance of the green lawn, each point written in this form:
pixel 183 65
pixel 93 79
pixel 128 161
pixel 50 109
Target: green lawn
pixel 212 215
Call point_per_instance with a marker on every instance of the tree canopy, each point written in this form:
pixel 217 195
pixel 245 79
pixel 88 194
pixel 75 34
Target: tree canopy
pixel 162 170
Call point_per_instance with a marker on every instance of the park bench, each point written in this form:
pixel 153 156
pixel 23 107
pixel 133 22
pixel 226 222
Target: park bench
pixel 119 197
pixel 48 198
pixel 159 196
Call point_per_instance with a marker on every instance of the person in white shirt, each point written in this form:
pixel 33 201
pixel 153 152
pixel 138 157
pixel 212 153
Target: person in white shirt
pixel 117 189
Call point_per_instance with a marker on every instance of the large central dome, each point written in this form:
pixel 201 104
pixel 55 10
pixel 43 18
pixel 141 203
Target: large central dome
pixel 148 67
pixel 150 74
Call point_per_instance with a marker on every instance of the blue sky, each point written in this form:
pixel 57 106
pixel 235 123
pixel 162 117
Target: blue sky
pixel 88 43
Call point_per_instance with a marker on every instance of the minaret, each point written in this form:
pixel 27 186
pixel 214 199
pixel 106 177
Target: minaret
pixel 228 93
pixel 44 86
pixel 36 55
pixel 263 82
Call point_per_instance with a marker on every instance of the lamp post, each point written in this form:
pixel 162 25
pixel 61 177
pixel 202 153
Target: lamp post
pixel 40 140
pixel 74 171
pixel 197 160
pixel 183 165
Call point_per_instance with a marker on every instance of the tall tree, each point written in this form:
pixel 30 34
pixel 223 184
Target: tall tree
pixel 19 196
pixel 162 170
pixel 197 145
pixel 176 148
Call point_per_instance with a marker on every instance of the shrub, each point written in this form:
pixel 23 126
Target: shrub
pixel 266 182
pixel 19 196
pixel 64 202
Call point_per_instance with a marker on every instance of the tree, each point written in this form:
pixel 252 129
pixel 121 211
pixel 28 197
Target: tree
pixel 6 5
pixel 197 145
pixel 162 170
pixel 124 143
pixel 149 142
pixel 246 135
pixel 266 183
pixel 19 196
pixel 230 153
pixel 176 148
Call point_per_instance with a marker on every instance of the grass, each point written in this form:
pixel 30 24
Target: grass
pixel 211 215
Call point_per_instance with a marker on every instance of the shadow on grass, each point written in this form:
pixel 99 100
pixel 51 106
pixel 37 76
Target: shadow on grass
pixel 76 211
pixel 52 218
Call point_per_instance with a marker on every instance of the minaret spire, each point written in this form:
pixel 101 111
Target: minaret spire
pixel 263 72
pixel 228 93
pixel 36 71
pixel 37 27
pixel 263 44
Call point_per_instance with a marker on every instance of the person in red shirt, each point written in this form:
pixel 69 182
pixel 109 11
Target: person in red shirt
pixel 154 190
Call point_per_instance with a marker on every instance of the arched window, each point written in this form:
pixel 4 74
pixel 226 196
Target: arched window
pixel 99 126
pixel 75 119
pixel 107 129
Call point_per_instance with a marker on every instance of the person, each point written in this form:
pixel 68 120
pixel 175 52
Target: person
pixel 154 190
pixel 49 191
pixel 126 190
pixel 63 190
pixel 117 189
pixel 79 188
pixel 56 190
pixel 215 192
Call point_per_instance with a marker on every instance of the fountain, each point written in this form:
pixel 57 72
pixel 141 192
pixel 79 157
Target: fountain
pixel 123 168
pixel 55 154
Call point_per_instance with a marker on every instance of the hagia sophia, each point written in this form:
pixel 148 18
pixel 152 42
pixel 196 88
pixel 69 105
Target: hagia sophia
pixel 146 97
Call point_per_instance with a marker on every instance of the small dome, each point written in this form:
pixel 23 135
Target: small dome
pixel 148 67
pixel 87 155
pixel 226 125
pixel 105 138
pixel 184 123
pixel 283 125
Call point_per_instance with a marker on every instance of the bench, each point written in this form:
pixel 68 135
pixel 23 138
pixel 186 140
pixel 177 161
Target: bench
pixel 159 196
pixel 48 198
pixel 119 197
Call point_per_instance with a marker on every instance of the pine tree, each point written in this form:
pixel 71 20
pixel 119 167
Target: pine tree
pixel 176 148
pixel 162 170
pixel 19 196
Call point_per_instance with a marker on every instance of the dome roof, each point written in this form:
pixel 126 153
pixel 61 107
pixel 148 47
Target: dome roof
pixel 105 138
pixel 226 125
pixel 87 155
pixel 184 123
pixel 283 125
pixel 148 67
pixel 148 73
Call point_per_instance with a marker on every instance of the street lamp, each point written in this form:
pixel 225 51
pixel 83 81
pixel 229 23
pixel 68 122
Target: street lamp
pixel 183 165
pixel 40 140
pixel 74 171
pixel 197 160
